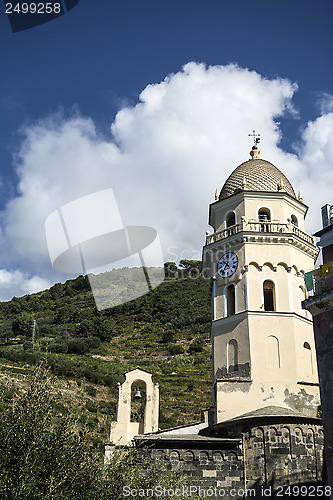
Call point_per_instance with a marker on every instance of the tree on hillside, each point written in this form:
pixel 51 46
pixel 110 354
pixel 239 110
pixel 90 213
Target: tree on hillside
pixel 170 270
pixel 22 325
pixel 193 267
pixel 42 457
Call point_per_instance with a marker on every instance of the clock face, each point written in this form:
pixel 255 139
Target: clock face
pixel 227 265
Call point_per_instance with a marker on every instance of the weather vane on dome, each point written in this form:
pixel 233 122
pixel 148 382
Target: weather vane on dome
pixel 256 137
pixel 255 153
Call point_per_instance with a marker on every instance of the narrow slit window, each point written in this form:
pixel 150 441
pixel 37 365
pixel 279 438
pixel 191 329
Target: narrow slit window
pixel 269 296
pixel 231 305
pixel 308 357
pixel 273 359
pixel 233 356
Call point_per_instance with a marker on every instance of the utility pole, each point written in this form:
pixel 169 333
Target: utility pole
pixel 33 333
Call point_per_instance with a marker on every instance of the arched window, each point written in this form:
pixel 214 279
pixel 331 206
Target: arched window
pixel 231 302
pixel 230 219
pixel 273 352
pixel 302 296
pixel 294 220
pixel 232 356
pixel 269 296
pixel 138 401
pixel 264 216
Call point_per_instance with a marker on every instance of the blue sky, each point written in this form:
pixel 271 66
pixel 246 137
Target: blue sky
pixel 67 80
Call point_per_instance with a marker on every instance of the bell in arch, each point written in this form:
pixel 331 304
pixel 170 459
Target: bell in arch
pixel 137 394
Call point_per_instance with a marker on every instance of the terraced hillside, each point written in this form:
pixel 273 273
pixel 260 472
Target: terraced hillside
pixel 165 332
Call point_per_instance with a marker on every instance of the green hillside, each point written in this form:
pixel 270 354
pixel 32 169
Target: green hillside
pixel 165 332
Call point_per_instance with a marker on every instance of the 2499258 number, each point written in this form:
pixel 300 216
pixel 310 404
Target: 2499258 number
pixel 303 491
pixel 33 8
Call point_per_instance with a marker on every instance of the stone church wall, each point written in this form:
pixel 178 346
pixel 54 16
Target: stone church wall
pixel 266 456
pixel 283 454
pixel 206 466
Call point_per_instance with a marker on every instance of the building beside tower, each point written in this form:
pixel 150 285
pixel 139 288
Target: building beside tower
pixel 263 428
pixel 320 304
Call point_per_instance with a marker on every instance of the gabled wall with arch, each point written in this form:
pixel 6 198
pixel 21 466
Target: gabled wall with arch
pixel 123 430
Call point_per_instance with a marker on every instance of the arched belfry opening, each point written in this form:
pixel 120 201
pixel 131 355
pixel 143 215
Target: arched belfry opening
pixel 137 412
pixel 264 214
pixel 230 219
pixel 138 403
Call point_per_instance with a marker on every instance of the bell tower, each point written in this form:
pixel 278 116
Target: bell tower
pixel 262 340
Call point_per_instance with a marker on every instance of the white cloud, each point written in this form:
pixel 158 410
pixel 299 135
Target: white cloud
pixel 324 102
pixel 16 283
pixel 316 157
pixel 167 156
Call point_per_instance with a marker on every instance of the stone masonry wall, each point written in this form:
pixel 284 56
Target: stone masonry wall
pixel 272 456
pixel 323 329
pixel 206 468
pixel 283 454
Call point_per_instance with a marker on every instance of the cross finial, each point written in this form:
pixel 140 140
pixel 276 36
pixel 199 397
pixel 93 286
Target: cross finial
pixel 256 137
pixel 255 153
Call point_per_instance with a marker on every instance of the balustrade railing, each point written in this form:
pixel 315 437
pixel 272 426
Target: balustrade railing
pixel 320 280
pixel 260 227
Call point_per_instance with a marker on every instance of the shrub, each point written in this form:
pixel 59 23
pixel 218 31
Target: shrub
pixel 58 465
pixel 28 345
pixel 170 270
pixel 91 391
pixel 73 345
pixel 45 329
pixel 58 345
pixel 108 408
pixel 8 394
pixel 77 346
pixel 91 406
pixel 17 355
pixel 196 346
pixel 167 422
pixel 198 359
pixel 167 336
pixel 22 325
pixel 176 349
pixel 93 342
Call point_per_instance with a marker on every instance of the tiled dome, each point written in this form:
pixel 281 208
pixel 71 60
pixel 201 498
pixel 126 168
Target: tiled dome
pixel 256 175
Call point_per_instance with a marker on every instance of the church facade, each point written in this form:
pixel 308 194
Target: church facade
pixel 263 432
